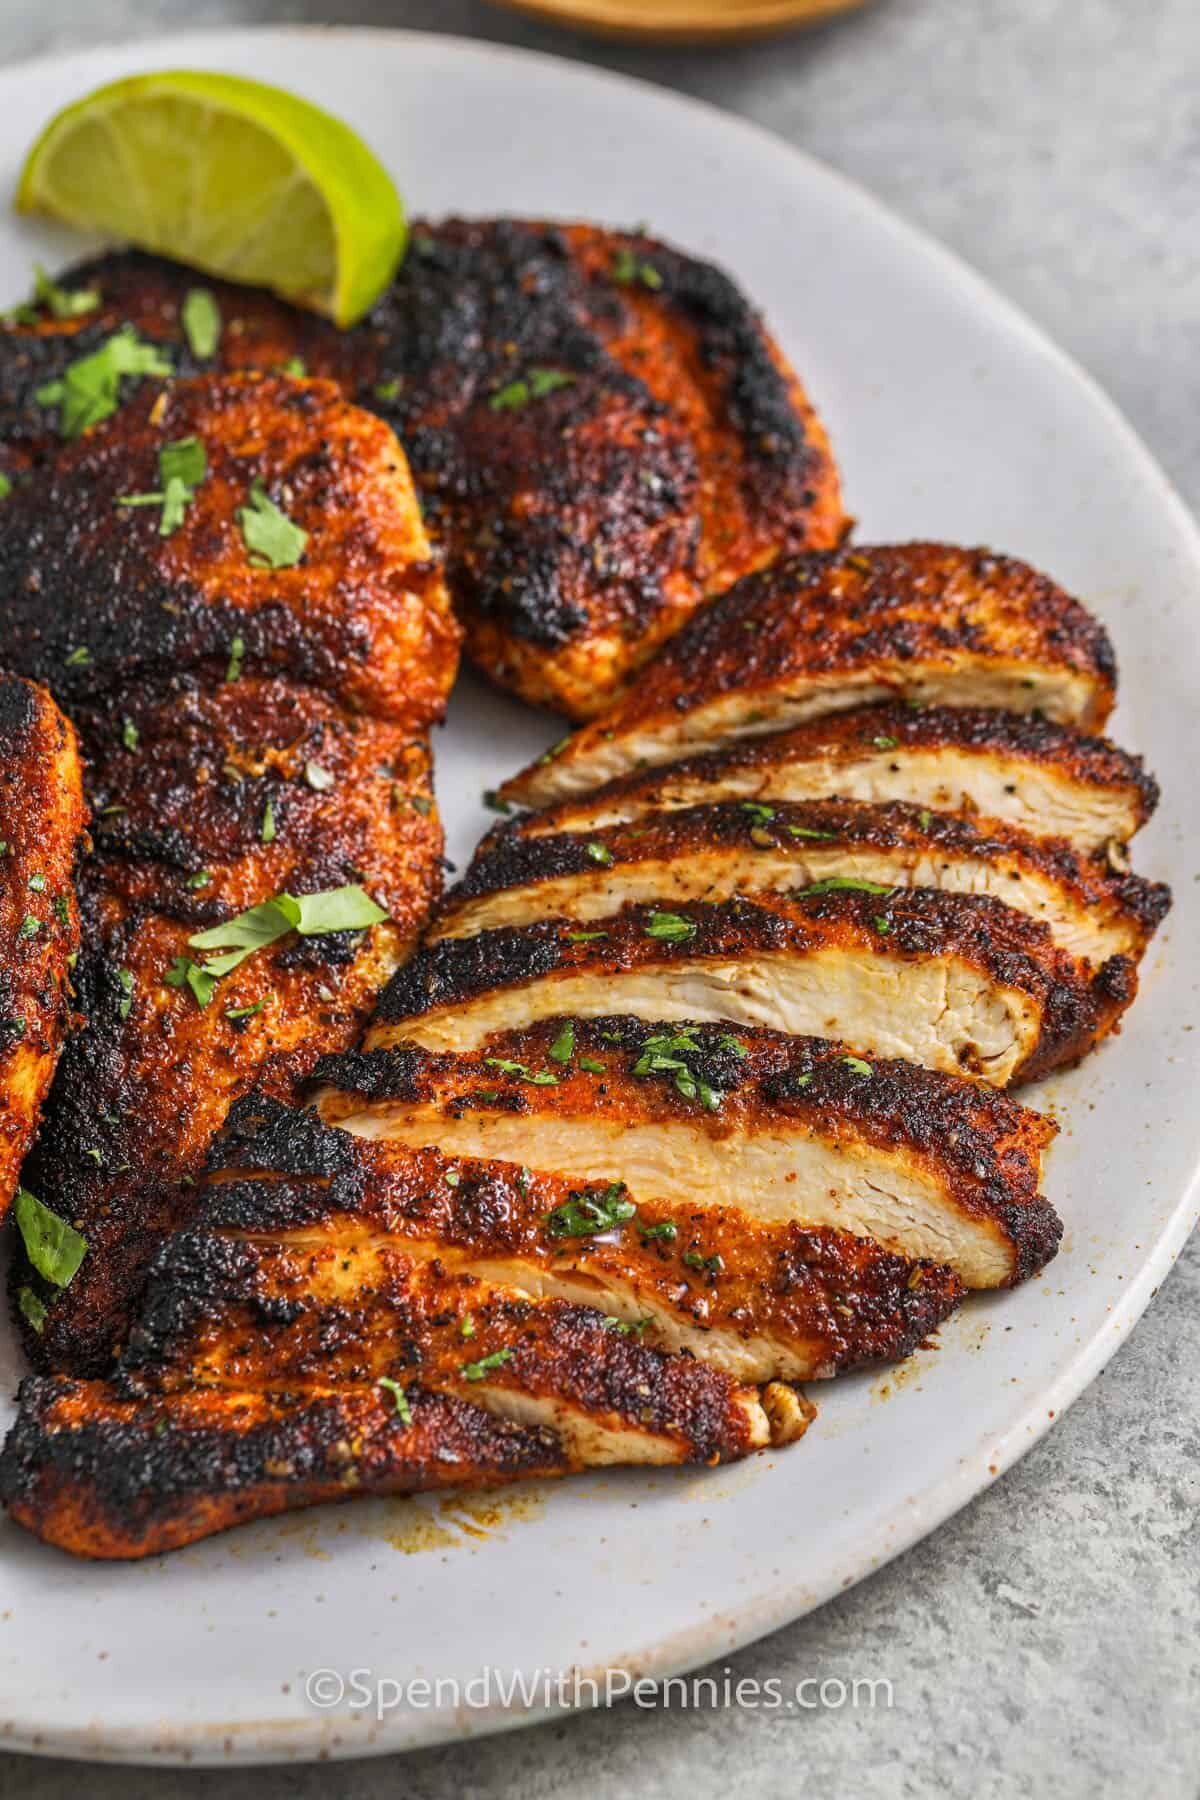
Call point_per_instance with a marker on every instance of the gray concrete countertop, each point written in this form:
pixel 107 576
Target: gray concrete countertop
pixel 1047 1640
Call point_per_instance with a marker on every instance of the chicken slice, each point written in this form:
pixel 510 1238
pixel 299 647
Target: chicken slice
pixel 790 1304
pixel 800 1130
pixel 102 1474
pixel 927 624
pixel 714 852
pixel 958 982
pixel 41 838
pixel 1017 768
pixel 94 596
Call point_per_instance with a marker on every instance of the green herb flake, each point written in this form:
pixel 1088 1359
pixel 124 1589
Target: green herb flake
pixel 477 1370
pixel 78 658
pixel 666 1229
pixel 37 883
pixel 885 743
pixel 629 270
pixel 185 973
pixel 533 386
pixel 521 1071
pixel 125 983
pixel 296 367
pixel 6 485
pixel 387 390
pixel 709 1265
pixel 803 1081
pixel 554 750
pixel 399 1396
pixel 600 853
pixel 925 818
pixel 584 1214
pixel 671 927
pixel 267 829
pixel 591 1065
pixel 200 317
pixel 837 884
pixel 758 812
pixel 90 389
pixel 62 909
pixel 563 1047
pixel 29 927
pixel 237 655
pixel 200 879
pixel 807 831
pixel 585 937
pixel 60 302
pixel 129 734
pixel 348 908
pixel 494 803
pixel 857 1064
pixel 235 1013
pixel 269 535
pixel 53 1247
pixel 31 1308
pixel 882 924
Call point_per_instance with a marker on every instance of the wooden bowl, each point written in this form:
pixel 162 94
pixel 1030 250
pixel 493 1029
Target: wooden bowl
pixel 680 21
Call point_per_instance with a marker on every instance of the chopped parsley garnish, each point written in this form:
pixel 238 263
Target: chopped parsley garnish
pixel 600 853
pixel 125 983
pixel 885 743
pixel 711 1265
pixel 273 540
pixel 757 811
pixel 662 1055
pixel 563 1047
pixel 29 926
pixel 671 927
pixel 60 302
pixel 184 972
pixel 37 883
pixel 129 734
pixel 200 879
pixel 666 1229
pixel 399 1396
pixel 237 655
pixel 200 317
pixel 591 1065
pixel 267 829
pixel 477 1370
pixel 858 1065
pixel 626 1327
pixel 466 1327
pixel 5 485
pixel 836 884
pixel 62 908
pixel 387 390
pixel 629 269
pixel 90 389
pixel 925 818
pixel 585 1214
pixel 246 1012
pixel 585 937
pixel 494 803
pixel 452 1178
pixel 806 831
pixel 348 908
pixel 319 779
pixel 506 1067
pixel 802 1081
pixel 78 658
pixel 882 925
pixel 182 466
pixel 53 1247
pixel 31 1308
pixel 728 1042
pixel 554 750
pixel 296 367
pixel 533 386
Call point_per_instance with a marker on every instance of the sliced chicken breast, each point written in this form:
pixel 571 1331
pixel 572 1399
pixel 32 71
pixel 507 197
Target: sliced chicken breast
pixel 958 982
pixel 790 1304
pixel 1017 768
pixel 797 1129
pixel 42 818
pixel 818 633
pixel 712 853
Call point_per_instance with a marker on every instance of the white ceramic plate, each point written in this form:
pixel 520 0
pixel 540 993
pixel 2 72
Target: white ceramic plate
pixel 952 418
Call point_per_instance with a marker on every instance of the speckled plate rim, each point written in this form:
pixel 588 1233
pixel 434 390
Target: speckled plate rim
pixel 292 1737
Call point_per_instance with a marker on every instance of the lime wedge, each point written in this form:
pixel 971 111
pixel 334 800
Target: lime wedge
pixel 239 179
